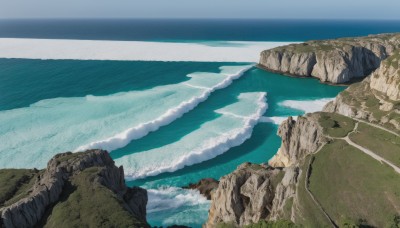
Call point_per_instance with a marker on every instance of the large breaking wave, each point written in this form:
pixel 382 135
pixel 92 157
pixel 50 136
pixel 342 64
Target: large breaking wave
pixel 213 138
pixel 31 136
pixel 170 206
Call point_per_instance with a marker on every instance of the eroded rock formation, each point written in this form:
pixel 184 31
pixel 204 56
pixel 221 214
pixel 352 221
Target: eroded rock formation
pixel 333 61
pixel 50 184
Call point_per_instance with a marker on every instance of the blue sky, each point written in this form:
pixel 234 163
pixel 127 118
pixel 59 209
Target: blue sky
pixel 304 9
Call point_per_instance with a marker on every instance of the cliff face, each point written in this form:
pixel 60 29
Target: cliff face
pixel 246 195
pixel 59 180
pixel 387 78
pixel 375 99
pixel 334 61
pixel 299 138
pixel 314 149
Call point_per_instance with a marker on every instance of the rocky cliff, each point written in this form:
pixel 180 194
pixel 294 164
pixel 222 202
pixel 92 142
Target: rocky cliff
pixel 253 193
pixel 299 139
pixel 387 78
pixel 317 179
pixel 246 196
pixel 76 183
pixel 204 186
pixel 333 61
pixel 375 99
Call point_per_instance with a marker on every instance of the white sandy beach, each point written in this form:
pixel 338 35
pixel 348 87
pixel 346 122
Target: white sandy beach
pixel 229 51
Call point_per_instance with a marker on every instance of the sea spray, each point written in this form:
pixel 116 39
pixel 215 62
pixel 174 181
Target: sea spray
pixel 307 105
pixel 170 206
pixel 32 135
pixel 180 154
pixel 122 139
pixel 275 119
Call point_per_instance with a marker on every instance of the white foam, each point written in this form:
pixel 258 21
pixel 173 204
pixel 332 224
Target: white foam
pixel 275 119
pixel 171 206
pixel 212 139
pixel 229 51
pixel 122 139
pixel 30 136
pixel 307 105
pixel 168 198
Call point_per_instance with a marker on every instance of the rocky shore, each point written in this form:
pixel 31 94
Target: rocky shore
pixel 317 178
pixel 59 195
pixel 334 61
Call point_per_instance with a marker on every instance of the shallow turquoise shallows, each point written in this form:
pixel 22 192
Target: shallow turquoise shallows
pixel 213 123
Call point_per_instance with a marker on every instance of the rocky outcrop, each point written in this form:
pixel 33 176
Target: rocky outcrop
pixel 50 184
pixel 282 190
pixel 375 99
pixel 204 186
pixel 246 196
pixel 299 139
pixel 387 78
pixel 333 61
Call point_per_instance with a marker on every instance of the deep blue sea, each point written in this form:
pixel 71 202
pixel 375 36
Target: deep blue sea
pixel 168 123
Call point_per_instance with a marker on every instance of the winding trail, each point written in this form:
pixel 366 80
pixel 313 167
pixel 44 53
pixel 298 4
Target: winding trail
pixel 351 143
pixel 377 126
pixel 365 150
pixel 369 152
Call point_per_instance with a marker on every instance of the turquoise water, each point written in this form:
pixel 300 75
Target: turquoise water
pixel 51 106
pixel 168 123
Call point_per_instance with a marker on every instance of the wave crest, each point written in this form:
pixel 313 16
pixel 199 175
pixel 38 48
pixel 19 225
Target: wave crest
pixel 122 139
pixel 207 150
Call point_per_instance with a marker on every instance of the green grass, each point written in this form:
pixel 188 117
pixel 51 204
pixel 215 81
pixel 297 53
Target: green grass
pixel 336 125
pixel 379 141
pixel 308 47
pixel 90 204
pixel 273 224
pixel 67 156
pixel 307 212
pixel 393 60
pixel 287 208
pixel 14 183
pixel 351 185
pixel 362 97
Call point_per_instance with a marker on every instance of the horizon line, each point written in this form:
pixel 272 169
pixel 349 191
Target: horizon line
pixel 199 18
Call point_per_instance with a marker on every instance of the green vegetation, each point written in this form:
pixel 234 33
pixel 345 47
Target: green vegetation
pixel 340 44
pixel 393 60
pixel 87 203
pixel 275 180
pixel 67 156
pixel 273 224
pixel 307 212
pixel 263 224
pixel 336 125
pixel 14 184
pixel 309 47
pixel 379 141
pixel 225 225
pixel 361 96
pixel 287 208
pixel 352 186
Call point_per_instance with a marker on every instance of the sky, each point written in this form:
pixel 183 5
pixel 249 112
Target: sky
pixel 302 9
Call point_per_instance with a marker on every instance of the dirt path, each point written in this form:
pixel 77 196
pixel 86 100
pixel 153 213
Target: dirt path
pixel 372 154
pixel 377 126
pixel 367 151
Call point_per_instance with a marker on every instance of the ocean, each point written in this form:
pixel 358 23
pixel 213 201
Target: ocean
pixel 169 123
